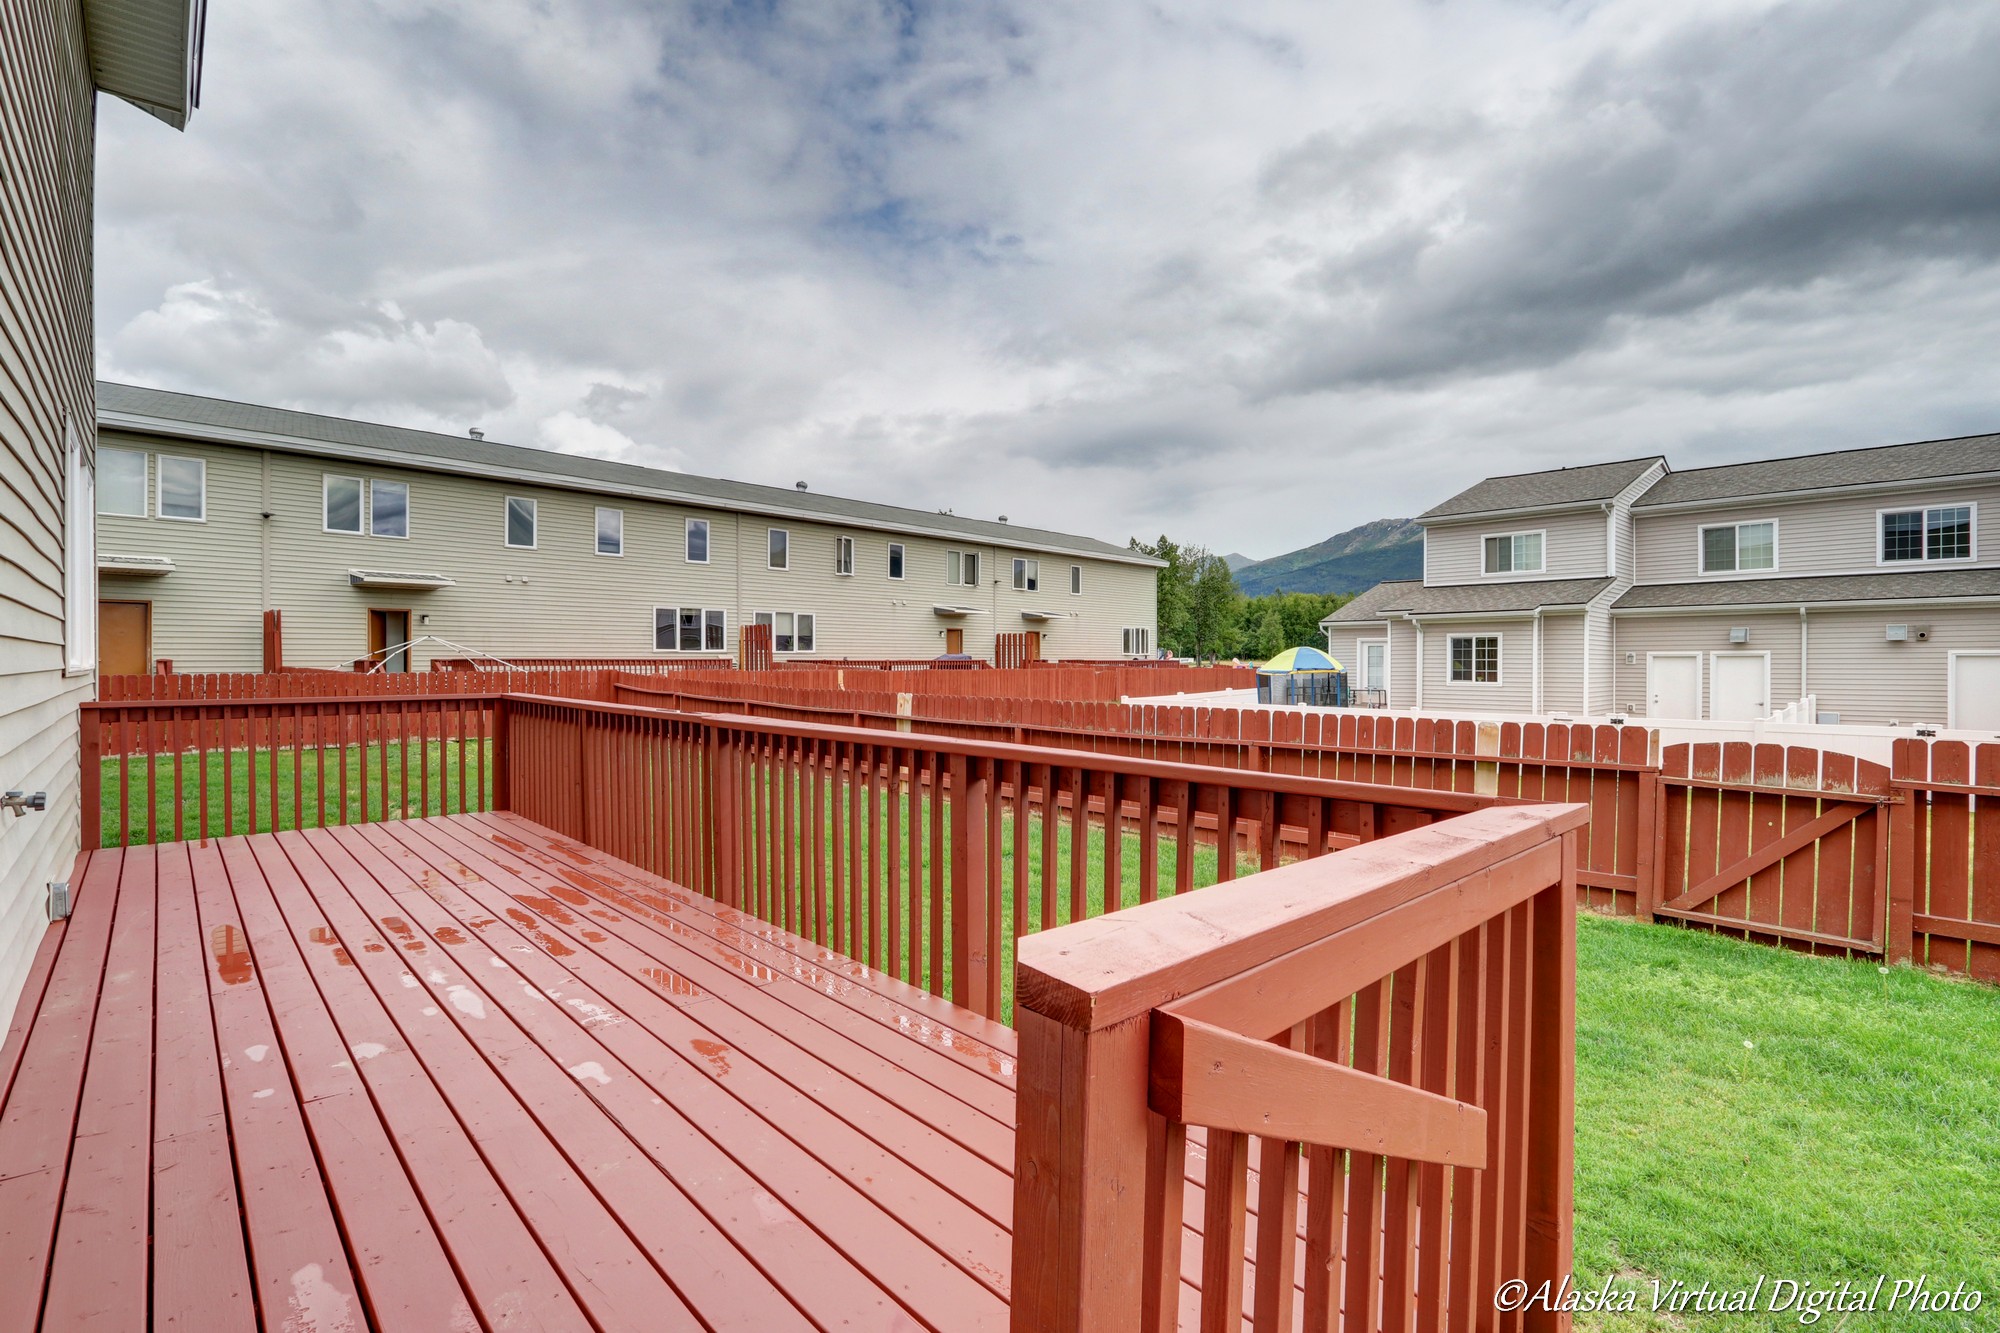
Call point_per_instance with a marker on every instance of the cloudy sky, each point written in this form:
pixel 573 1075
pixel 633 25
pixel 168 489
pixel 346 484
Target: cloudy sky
pixel 1247 271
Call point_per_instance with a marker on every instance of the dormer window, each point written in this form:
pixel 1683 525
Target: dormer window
pixel 1731 548
pixel 1922 535
pixel 1514 553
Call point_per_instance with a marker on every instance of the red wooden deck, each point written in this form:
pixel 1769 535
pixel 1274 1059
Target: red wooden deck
pixel 460 1074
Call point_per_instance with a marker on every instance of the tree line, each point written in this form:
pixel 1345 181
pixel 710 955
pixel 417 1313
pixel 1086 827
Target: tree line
pixel 1205 616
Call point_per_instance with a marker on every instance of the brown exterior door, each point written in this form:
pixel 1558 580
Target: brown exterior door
pixel 124 638
pixel 954 640
pixel 389 630
pixel 1034 645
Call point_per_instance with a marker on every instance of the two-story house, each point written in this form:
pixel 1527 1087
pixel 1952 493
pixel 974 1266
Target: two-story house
pixel 369 537
pixel 1860 578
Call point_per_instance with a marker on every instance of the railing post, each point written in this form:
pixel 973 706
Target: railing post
pixel 500 760
pixel 1080 1175
pixel 90 778
pixel 971 951
pixel 1552 1092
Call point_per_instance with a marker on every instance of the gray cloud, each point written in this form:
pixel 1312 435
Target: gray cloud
pixel 1248 273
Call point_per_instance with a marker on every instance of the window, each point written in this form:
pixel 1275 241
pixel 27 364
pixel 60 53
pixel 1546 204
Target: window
pixel 388 509
pixel 791 631
pixel 80 552
pixel 121 482
pixel 611 532
pixel 1514 553
pixel 1138 642
pixel 1076 580
pixel 340 504
pixel 779 544
pixel 895 560
pixel 1475 659
pixel 1027 575
pixel 183 488
pixel 1942 533
pixel 697 541
pixel 962 567
pixel 843 555
pixel 1739 546
pixel 690 629
pixel 520 522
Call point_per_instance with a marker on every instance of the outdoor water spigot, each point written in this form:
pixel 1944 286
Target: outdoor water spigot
pixel 21 802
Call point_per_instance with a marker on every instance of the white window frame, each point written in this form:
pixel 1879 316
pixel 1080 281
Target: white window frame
pixel 966 562
pixel 1702 530
pixel 707 541
pixel 771 618
pixel 1137 641
pixel 1025 581
pixel 1076 580
pixel 769 533
pixel 79 555
pixel 898 553
pixel 403 536
pixel 597 533
pixel 145 480
pixel 1925 559
pixel 360 527
pixel 843 557
pixel 160 487
pixel 507 522
pixel 1499 659
pixel 706 612
pixel 1542 568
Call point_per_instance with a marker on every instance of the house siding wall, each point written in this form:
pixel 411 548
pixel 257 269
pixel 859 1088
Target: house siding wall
pixel 1856 672
pixel 45 364
pixel 1704 632
pixel 1514 693
pixel 1573 548
pixel 561 599
pixel 1824 536
pixel 1562 664
pixel 1402 664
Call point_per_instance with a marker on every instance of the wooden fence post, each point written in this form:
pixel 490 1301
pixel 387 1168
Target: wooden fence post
pixel 1552 1091
pixel 501 759
pixel 971 955
pixel 1906 862
pixel 90 779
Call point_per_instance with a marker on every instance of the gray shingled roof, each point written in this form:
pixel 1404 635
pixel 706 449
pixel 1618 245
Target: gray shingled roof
pixel 1897 586
pixel 1590 484
pixel 127 406
pixel 1468 598
pixel 1849 467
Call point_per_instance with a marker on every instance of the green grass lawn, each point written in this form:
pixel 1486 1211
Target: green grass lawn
pixel 1744 1110
pixel 151 803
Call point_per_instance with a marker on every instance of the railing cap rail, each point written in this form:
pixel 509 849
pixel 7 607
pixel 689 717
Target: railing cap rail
pixel 1093 974
pixel 1412 798
pixel 284 701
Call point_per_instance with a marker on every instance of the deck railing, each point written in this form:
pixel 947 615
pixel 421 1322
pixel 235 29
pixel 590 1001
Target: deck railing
pixel 1383 1041
pixel 925 857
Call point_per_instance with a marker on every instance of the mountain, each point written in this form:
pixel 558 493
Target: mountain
pixel 1237 560
pixel 1353 561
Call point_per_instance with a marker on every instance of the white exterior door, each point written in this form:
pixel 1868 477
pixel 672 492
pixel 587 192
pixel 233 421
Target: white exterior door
pixel 1739 686
pixel 1374 664
pixel 1975 691
pixel 1673 685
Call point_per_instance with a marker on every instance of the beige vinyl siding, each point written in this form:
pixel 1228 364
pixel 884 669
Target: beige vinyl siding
pixel 1824 536
pixel 1562 663
pixel 1514 693
pixel 1598 633
pixel 1703 632
pixel 1856 672
pixel 1572 548
pixel 45 355
pixel 561 598
pixel 1402 664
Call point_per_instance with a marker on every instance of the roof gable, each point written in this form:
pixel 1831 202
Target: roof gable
pixel 1593 483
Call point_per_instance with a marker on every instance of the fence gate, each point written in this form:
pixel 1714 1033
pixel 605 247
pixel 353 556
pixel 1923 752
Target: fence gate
pixel 1777 841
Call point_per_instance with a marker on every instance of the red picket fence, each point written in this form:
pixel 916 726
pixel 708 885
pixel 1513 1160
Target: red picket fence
pixel 1945 909
pixel 181 687
pixel 642 665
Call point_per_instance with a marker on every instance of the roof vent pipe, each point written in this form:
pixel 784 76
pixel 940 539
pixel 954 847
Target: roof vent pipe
pixel 476 433
pixel 798 485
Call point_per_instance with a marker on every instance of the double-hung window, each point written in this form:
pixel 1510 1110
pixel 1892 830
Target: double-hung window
pixel 690 629
pixel 353 505
pixel 1514 553
pixel 962 568
pixel 183 488
pixel 341 503
pixel 121 482
pixel 895 560
pixel 1138 642
pixel 611 532
pixel 791 631
pixel 521 522
pixel 388 509
pixel 1027 575
pixel 697 541
pixel 843 555
pixel 1737 547
pixel 1474 659
pixel 1943 532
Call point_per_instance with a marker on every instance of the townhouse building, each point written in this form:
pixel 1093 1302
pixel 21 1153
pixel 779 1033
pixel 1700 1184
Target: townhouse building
pixel 368 538
pixel 1860 578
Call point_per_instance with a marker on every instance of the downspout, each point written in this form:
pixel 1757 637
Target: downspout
pixel 1535 694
